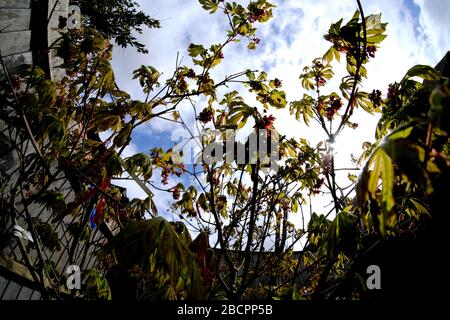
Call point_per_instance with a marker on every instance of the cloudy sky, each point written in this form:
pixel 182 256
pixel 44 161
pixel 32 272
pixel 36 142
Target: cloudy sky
pixel 418 33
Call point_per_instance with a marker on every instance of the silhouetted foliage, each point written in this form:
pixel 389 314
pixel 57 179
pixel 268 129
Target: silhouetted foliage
pixel 117 19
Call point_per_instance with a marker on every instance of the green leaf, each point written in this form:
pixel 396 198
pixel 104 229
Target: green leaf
pixel 56 128
pixel 140 164
pixel 376 38
pixel 382 168
pixel 294 206
pixel 374 176
pixel 368 184
pixel 244 29
pixel 362 100
pixel 420 207
pixel 153 207
pixel 196 49
pixel 105 121
pixel 95 286
pixel 403 133
pixel 277 99
pixel 331 54
pixel 113 165
pixel 340 235
pixel 352 177
pixel 250 75
pixel 203 202
pixel 409 158
pixel 373 21
pixel 238 116
pixel 262 76
pixel 303 108
pixel 123 135
pixel 232 99
pixel 334 28
pixel 140 109
pixel 424 72
pixel 209 5
pixel 387 176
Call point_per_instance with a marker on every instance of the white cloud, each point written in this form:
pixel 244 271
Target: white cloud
pixel 434 21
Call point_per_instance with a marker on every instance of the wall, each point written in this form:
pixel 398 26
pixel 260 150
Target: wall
pixel 15 36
